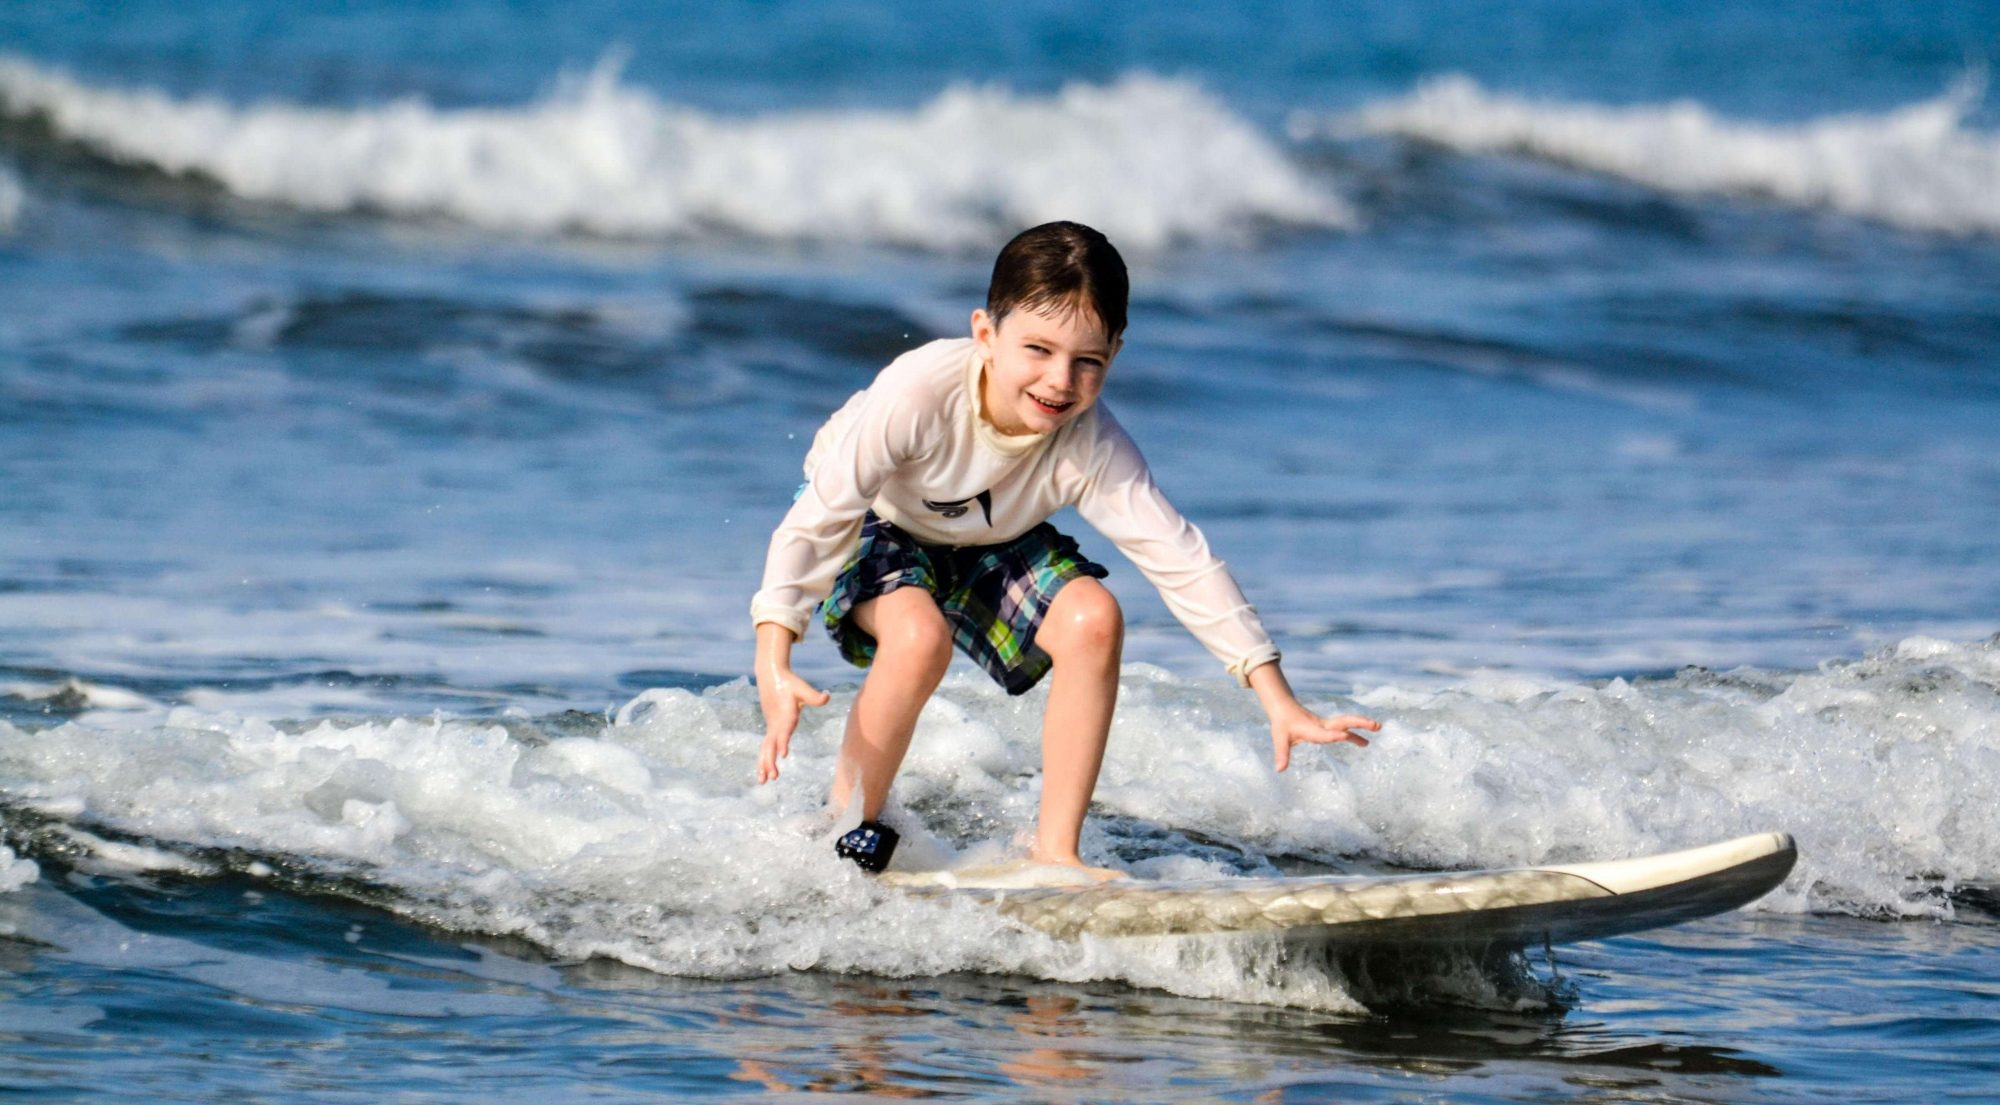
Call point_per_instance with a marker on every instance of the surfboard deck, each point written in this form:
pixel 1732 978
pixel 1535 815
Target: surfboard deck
pixel 1518 907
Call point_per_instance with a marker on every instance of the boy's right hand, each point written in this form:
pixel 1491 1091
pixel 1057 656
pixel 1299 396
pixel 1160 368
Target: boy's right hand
pixel 782 694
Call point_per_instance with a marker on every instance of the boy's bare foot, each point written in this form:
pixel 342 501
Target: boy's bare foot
pixel 1094 874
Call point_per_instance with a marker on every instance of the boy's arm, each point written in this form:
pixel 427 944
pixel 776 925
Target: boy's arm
pixel 1293 724
pixel 884 427
pixel 1120 499
pixel 878 431
pixel 805 555
pixel 1124 503
pixel 782 694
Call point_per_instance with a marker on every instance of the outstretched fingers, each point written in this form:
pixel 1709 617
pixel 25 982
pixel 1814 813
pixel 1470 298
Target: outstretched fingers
pixel 1317 730
pixel 1343 728
pixel 777 746
pixel 781 720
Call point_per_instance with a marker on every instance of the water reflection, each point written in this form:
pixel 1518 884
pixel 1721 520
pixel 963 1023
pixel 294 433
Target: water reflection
pixel 864 1056
pixel 1050 1019
pixel 1013 1039
pixel 1738 1009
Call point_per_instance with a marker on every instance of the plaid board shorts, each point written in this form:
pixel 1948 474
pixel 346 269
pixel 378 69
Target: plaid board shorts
pixel 994 597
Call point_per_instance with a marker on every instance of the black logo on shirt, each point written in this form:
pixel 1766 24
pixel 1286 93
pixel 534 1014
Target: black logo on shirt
pixel 956 508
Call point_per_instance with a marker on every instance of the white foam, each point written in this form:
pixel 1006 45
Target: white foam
pixel 1150 161
pixel 15 872
pixel 1916 166
pixel 646 841
pixel 73 692
pixel 100 856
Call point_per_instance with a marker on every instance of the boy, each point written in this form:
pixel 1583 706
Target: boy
pixel 923 525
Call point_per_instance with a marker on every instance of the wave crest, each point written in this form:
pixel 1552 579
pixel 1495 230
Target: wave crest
pixel 1917 166
pixel 1150 161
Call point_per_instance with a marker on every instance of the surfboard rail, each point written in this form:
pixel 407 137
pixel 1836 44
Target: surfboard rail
pixel 1514 907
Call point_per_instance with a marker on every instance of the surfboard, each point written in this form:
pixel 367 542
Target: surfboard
pixel 1516 907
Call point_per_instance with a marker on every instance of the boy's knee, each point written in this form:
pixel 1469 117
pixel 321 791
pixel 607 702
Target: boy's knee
pixel 1086 618
pixel 919 636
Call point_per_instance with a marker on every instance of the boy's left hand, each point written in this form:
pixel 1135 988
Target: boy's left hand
pixel 1302 726
pixel 1293 724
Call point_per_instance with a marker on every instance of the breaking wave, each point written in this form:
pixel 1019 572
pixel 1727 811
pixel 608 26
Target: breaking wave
pixel 638 836
pixel 1151 161
pixel 1918 166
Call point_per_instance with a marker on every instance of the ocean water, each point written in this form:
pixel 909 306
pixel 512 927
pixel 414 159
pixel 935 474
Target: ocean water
pixel 395 402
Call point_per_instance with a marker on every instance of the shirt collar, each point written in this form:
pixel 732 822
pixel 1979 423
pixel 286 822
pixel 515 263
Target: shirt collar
pixel 1011 445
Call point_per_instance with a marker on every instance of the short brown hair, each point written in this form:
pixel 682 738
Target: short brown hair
pixel 1061 264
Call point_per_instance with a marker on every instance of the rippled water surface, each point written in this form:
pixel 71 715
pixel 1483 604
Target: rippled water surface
pixel 317 999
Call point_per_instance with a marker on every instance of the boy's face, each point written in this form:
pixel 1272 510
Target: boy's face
pixel 1044 367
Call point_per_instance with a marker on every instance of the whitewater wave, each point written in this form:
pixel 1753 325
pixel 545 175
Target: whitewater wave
pixel 1150 161
pixel 639 836
pixel 76 695
pixel 15 872
pixel 1917 166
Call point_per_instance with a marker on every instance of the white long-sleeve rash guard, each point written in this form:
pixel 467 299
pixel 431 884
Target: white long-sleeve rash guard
pixel 914 448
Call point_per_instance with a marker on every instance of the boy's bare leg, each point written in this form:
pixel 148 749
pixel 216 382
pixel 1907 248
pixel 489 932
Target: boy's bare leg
pixel 912 650
pixel 1085 634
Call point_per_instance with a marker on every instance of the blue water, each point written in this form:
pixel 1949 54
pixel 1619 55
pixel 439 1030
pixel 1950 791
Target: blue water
pixel 395 402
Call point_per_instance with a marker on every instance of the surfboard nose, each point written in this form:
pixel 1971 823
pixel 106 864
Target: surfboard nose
pixel 1629 876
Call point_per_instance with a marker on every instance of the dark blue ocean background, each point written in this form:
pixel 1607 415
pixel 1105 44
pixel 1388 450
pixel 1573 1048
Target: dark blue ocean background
pixel 396 399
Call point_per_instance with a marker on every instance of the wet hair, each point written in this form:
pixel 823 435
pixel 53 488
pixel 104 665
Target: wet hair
pixel 1065 265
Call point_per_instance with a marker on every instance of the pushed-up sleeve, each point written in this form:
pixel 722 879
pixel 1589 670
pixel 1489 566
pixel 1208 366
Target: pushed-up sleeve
pixel 854 455
pixel 1120 499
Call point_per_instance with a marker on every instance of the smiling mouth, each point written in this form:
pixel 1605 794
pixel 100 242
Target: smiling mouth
pixel 1052 408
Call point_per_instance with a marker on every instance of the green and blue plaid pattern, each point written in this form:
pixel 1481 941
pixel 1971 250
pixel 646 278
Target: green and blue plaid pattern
pixel 993 596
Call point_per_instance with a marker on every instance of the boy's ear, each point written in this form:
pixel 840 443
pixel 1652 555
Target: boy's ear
pixel 983 329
